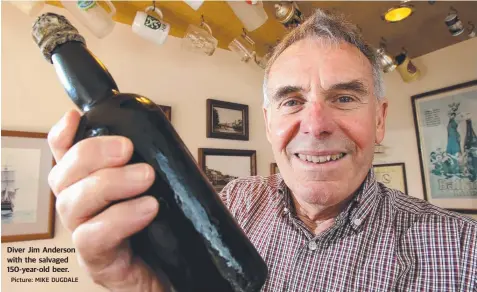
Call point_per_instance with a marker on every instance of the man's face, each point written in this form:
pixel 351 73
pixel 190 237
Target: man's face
pixel 323 119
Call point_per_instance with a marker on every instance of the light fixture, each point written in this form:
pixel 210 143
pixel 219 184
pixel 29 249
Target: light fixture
pixel 398 13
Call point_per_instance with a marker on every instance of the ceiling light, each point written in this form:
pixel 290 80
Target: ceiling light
pixel 398 13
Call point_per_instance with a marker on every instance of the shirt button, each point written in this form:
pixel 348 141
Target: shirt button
pixel 285 210
pixel 357 221
pixel 312 245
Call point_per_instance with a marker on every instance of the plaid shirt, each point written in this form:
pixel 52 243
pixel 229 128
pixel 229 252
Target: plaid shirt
pixel 383 241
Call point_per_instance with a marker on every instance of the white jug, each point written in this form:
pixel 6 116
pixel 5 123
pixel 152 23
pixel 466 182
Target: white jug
pixel 251 13
pixel 31 8
pixel 92 15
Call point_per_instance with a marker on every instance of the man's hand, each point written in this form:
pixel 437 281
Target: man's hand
pixel 87 179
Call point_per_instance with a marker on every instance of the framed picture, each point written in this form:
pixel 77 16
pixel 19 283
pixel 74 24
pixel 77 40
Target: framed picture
pixel 223 165
pixel 392 175
pixel 274 168
pixel 27 200
pixel 445 121
pixel 167 111
pixel 227 120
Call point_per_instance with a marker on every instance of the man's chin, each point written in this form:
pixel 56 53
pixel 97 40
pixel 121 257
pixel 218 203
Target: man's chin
pixel 322 193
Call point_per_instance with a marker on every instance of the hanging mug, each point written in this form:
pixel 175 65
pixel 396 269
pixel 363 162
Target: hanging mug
pixel 408 71
pixel 251 14
pixel 30 8
pixel 197 39
pixel 99 21
pixel 471 30
pixel 244 46
pixel 150 27
pixel 454 24
pixel 194 4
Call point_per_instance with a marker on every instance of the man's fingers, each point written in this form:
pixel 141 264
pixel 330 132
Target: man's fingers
pixel 61 135
pixel 86 157
pixel 85 198
pixel 98 238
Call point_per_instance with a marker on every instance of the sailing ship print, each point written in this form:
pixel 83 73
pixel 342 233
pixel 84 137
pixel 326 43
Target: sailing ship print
pixel 9 191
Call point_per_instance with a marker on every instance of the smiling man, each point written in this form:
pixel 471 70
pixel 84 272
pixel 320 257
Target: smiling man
pixel 324 223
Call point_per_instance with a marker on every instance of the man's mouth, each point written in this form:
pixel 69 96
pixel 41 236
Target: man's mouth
pixel 320 158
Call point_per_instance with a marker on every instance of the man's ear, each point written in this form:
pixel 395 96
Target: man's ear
pixel 381 113
pixel 266 113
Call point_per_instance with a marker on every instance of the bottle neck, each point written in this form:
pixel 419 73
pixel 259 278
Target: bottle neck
pixel 84 77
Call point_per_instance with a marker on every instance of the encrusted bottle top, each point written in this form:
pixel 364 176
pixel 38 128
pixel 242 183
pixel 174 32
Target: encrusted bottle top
pixel 50 30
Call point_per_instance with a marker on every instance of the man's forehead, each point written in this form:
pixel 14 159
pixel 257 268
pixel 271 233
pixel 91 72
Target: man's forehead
pixel 320 62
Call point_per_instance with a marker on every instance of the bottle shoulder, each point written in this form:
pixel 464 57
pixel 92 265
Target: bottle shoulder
pixel 125 100
pixel 126 107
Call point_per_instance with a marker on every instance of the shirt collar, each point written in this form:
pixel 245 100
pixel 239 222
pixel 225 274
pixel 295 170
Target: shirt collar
pixel 362 205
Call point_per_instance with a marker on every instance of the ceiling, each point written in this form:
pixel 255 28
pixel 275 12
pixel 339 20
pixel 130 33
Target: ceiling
pixel 422 33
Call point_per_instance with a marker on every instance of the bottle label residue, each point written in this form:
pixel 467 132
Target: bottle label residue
pixel 85 5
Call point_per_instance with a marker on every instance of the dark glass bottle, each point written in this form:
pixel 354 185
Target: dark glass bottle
pixel 470 137
pixel 470 148
pixel 194 239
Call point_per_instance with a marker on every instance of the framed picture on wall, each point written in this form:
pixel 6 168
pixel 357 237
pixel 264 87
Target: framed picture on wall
pixel 167 111
pixel 27 200
pixel 445 121
pixel 393 175
pixel 227 120
pixel 274 168
pixel 223 165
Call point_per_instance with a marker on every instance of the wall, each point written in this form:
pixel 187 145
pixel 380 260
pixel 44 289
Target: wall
pixel 183 81
pixel 442 68
pixel 33 99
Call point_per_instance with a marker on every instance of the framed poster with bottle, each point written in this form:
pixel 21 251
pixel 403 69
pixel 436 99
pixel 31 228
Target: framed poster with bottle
pixel 445 121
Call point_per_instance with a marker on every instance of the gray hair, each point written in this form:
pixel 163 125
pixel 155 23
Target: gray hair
pixel 332 27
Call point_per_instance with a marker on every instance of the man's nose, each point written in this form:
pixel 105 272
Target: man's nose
pixel 317 120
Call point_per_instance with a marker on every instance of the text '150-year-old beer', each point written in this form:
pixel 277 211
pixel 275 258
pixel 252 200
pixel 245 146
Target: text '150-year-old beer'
pixel 194 239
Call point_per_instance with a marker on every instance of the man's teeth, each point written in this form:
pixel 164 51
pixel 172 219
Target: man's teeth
pixel 320 159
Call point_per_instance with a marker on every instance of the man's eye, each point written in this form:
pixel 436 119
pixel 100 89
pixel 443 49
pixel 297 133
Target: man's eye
pixel 291 102
pixel 345 99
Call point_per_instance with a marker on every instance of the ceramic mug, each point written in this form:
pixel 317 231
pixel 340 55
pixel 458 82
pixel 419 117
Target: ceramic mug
pixel 92 15
pixel 471 30
pixel 408 71
pixel 31 8
pixel 150 27
pixel 194 4
pixel 454 24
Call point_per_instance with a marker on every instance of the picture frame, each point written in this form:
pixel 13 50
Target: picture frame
pixel 28 203
pixel 167 111
pixel 392 175
pixel 445 120
pixel 274 168
pixel 227 120
pixel 223 165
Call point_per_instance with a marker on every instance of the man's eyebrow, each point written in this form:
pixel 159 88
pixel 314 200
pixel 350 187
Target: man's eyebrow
pixel 353 85
pixel 283 91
